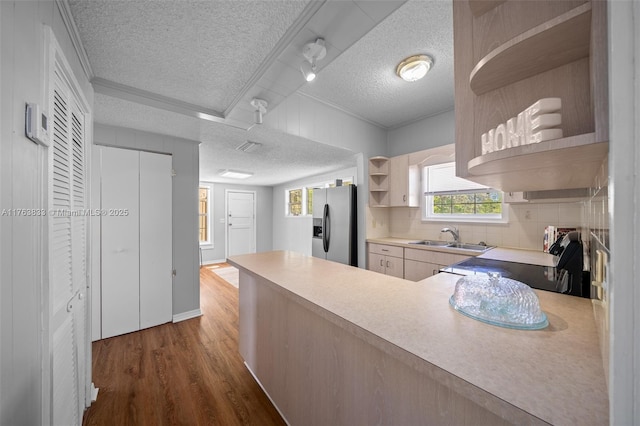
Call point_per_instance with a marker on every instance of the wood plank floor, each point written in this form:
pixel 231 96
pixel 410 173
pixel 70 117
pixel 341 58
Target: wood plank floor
pixel 188 373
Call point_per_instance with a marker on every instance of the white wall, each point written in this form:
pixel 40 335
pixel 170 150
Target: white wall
pixel 428 133
pixel 294 233
pixel 524 230
pixel 624 193
pixel 305 117
pixel 264 235
pixel 23 185
pixel 314 120
pixel 185 155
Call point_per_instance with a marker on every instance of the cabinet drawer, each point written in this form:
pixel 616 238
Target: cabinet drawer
pixel 437 257
pixel 419 255
pixel 386 250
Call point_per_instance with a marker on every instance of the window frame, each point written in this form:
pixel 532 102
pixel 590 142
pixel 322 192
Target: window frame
pixel 209 187
pixel 305 190
pixel 427 203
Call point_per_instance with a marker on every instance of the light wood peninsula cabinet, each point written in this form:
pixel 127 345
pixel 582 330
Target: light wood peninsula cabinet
pixel 508 55
pixel 404 184
pixel 388 260
pixel 420 264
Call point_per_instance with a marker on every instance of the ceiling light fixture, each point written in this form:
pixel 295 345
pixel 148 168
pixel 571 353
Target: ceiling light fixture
pixel 235 174
pixel 261 108
pixel 312 52
pixel 414 67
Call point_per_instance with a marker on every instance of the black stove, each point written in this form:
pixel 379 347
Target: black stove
pixel 535 276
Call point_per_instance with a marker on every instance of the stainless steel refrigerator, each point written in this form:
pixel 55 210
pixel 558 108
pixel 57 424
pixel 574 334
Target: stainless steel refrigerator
pixel 335 228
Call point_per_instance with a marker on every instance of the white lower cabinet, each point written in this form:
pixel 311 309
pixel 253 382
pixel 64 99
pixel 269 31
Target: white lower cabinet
pixel 420 264
pixel 416 271
pixel 409 263
pixel 386 260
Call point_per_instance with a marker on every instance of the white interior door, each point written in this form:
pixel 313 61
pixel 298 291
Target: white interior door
pixel 241 223
pixel 156 264
pixel 68 239
pixel 120 242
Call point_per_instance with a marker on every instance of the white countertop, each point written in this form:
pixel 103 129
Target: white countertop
pixel 533 257
pixel 555 374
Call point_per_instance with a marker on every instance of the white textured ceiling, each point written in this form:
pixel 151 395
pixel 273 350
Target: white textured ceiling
pixel 202 52
pixel 281 158
pixel 215 54
pixel 363 79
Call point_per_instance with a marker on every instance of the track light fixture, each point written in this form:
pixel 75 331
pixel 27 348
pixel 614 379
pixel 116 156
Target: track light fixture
pixel 312 52
pixel 261 108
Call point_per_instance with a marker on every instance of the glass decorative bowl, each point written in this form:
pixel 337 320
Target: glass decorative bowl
pixel 498 301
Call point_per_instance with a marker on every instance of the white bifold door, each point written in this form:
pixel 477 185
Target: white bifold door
pixel 135 240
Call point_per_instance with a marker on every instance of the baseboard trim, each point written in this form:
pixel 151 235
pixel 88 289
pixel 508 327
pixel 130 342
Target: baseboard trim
pixel 187 315
pixel 266 393
pixel 211 262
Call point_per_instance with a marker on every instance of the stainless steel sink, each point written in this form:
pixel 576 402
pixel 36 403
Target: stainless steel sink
pixel 431 243
pixel 465 246
pixel 446 244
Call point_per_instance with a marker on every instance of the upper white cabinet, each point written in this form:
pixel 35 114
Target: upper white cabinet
pixel 508 55
pixel 404 182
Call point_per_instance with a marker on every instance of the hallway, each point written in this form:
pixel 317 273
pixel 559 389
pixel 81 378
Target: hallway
pixel 187 373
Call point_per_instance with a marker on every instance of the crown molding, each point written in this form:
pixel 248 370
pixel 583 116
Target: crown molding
pixel 133 94
pixel 284 42
pixel 74 35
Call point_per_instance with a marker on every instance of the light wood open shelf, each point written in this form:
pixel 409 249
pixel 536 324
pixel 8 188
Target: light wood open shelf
pixel 379 158
pixel 573 162
pixel 557 42
pixel 378 181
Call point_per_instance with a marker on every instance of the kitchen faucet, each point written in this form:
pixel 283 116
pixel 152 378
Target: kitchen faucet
pixel 454 232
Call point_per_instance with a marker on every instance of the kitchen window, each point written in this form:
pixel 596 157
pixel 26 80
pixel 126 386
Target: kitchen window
pixel 299 201
pixel 205 204
pixel 295 202
pixel 448 197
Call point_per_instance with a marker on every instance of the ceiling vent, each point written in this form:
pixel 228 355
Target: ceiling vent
pixel 249 146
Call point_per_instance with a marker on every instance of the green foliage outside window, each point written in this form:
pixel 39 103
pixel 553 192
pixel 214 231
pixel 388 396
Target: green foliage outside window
pixel 295 202
pixel 309 200
pixel 472 204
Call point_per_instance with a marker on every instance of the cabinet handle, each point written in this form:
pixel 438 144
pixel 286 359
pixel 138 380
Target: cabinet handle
pixel 387 263
pixel 381 264
pixel 384 250
pixel 404 198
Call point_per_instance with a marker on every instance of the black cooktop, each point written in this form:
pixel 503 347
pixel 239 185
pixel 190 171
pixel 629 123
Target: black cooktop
pixel 535 276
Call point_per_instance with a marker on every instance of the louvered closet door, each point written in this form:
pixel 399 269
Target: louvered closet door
pixel 68 255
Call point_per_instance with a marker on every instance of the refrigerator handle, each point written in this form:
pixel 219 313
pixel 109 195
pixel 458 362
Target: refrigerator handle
pixel 326 228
